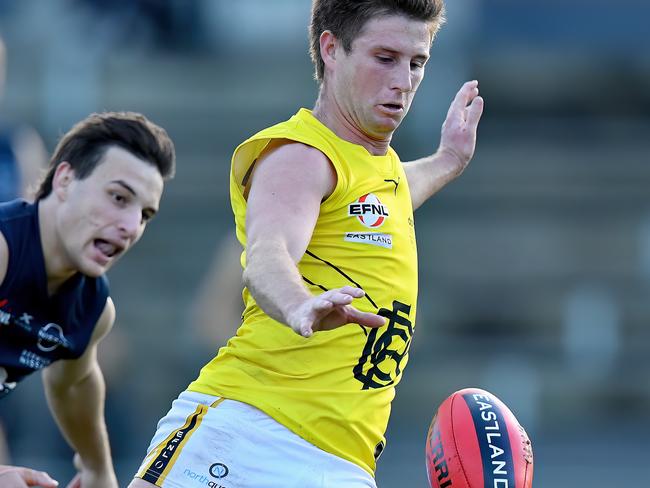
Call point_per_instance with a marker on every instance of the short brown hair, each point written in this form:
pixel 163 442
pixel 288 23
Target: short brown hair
pixel 346 19
pixel 84 146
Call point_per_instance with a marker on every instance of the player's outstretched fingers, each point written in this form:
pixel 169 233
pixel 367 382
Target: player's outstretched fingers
pixel 337 297
pixel 474 112
pixel 323 303
pixel 352 291
pixel 461 99
pixel 44 480
pixel 366 319
pixel 22 477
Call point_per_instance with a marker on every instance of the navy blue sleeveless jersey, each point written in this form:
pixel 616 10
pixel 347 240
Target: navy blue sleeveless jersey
pixel 37 329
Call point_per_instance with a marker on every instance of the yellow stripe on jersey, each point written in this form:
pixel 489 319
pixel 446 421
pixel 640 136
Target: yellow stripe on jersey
pixel 166 453
pixel 334 389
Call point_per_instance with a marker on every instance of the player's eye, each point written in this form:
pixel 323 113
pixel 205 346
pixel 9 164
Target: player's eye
pixel 118 198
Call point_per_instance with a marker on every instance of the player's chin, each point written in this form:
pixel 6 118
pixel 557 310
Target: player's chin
pixel 385 126
pixel 94 269
pixel 380 133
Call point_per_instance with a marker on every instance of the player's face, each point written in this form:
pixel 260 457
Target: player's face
pixel 376 82
pixel 104 214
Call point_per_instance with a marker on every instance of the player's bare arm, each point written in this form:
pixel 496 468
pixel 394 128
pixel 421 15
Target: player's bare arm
pixel 457 144
pixel 18 477
pixel 75 393
pixel 4 257
pixel 287 188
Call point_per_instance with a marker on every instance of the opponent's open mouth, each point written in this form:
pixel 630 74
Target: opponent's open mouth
pixel 107 248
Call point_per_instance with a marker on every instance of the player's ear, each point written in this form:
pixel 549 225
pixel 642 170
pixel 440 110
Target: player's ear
pixel 63 176
pixel 328 46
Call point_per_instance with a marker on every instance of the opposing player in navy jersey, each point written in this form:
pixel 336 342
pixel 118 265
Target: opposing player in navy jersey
pixel 104 184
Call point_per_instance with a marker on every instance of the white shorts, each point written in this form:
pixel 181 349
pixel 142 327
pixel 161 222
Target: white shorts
pixel 206 441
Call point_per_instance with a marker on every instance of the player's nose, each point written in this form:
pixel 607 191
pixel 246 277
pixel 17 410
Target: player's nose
pixel 130 224
pixel 401 79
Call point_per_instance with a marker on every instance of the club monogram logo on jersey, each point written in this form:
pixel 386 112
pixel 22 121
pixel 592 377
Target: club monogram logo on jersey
pixel 369 210
pixel 383 355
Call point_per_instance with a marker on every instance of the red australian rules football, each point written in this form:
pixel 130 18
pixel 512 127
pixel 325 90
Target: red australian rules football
pixel 475 441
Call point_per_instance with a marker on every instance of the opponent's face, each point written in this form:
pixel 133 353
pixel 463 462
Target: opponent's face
pixel 376 81
pixel 101 216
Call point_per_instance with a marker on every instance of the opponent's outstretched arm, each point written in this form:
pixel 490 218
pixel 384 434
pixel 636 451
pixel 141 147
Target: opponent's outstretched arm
pixel 75 392
pixel 457 143
pixel 287 188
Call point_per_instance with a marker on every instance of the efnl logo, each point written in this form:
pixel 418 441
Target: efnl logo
pixel 369 210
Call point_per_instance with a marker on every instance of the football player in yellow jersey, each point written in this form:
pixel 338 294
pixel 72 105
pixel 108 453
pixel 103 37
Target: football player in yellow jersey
pixel 300 397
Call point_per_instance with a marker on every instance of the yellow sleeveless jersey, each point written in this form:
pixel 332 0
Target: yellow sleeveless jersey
pixel 335 388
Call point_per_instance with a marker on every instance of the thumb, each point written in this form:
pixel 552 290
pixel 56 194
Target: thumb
pixel 305 327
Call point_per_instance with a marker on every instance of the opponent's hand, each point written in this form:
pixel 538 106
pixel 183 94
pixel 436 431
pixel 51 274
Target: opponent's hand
pixel 458 138
pixel 330 310
pixel 16 477
pixel 87 478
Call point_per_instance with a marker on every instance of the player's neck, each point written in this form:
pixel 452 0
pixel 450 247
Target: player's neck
pixel 330 114
pixel 57 269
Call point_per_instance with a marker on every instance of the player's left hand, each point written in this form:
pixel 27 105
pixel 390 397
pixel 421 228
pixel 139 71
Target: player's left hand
pixel 331 310
pixel 87 478
pixel 458 138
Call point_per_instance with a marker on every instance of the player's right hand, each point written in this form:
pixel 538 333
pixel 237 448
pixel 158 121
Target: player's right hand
pixel 330 310
pixel 17 477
